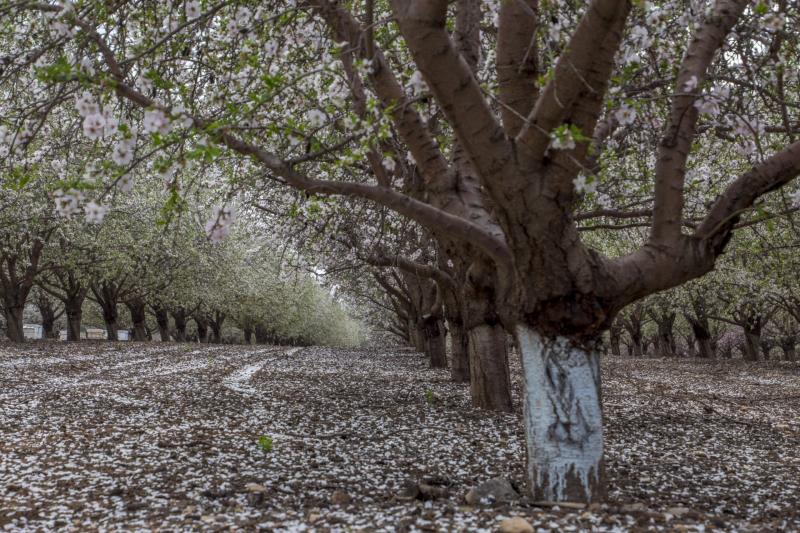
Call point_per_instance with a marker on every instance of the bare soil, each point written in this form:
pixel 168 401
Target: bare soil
pixel 124 436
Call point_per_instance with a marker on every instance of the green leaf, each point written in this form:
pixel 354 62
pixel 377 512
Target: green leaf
pixel 265 443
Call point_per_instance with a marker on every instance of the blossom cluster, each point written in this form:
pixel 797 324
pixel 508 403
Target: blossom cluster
pixel 219 225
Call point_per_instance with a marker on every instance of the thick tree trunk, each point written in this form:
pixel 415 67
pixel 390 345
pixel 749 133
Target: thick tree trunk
pixel 14 323
pixel 665 338
pixel 216 327
pixel 262 335
pixel 436 342
pixel 179 317
pixel 488 366
pixel 48 313
pixel 766 347
pixel 110 317
pixel 48 325
pixel 636 346
pixel 563 418
pixel 690 345
pixel 248 335
pixel 459 353
pixel 752 345
pixel 202 330
pixel 705 348
pixel 162 319
pixel 138 318
pixel 74 310
pixel 665 344
pixel 614 338
pixel 420 340
pixel 789 351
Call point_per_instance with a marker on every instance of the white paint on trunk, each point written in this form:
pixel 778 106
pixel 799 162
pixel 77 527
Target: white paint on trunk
pixel 563 417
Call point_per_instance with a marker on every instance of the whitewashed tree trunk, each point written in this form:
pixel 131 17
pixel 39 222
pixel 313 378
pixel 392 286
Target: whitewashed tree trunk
pixel 563 418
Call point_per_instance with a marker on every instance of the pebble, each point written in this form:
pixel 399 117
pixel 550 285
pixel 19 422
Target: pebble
pixel 515 525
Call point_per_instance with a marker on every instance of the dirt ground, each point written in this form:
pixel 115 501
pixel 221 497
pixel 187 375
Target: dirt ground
pixel 218 438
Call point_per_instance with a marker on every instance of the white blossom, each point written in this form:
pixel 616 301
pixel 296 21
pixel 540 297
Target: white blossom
pixel 625 115
pixel 389 163
pixel 86 104
pixel 67 202
pixel 795 198
pixel 316 118
pixel 337 93
pixel 707 105
pixel 183 119
pixel 93 126
pixel 155 121
pixel 271 47
pixel 112 125
pixel 125 183
pixel 219 225
pixel 641 37
pixel 244 16
pixel 167 173
pixel 122 154
pixel 554 32
pixel 584 184
pixel 86 67
pixel 417 82
pixel 774 22
pixel 562 141
pixel 192 9
pixel 95 213
pixel 746 147
pixel 144 84
pixel 350 123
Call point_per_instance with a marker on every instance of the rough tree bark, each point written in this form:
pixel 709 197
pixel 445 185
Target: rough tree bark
pixel 73 306
pixel 202 323
pixel 633 324
pixel 788 345
pixel 162 319
pixel 487 343
pixel 107 294
pixel 459 352
pixel 179 317
pixel 137 308
pixel 698 321
pixel 14 322
pixel 18 270
pixel 262 334
pixel 665 339
pixel 48 313
pixel 216 321
pixel 615 334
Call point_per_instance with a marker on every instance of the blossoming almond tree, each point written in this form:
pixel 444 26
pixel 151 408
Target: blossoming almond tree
pixel 506 186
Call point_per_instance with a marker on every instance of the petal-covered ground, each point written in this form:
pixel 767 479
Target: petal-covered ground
pixel 186 438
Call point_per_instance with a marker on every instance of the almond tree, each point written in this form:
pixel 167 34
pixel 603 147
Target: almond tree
pixel 506 189
pixel 25 229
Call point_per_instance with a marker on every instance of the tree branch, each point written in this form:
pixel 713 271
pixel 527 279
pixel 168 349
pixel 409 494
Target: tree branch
pixel 770 174
pixel 677 140
pixel 580 76
pixel 516 61
pixel 422 24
